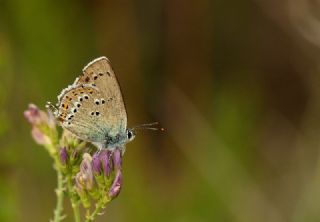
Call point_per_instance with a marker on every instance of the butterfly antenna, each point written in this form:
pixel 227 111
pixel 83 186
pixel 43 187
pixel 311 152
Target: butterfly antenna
pixel 52 108
pixel 148 126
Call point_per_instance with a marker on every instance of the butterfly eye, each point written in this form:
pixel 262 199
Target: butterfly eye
pixel 129 134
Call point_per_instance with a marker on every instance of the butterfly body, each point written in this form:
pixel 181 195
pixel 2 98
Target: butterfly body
pixel 92 108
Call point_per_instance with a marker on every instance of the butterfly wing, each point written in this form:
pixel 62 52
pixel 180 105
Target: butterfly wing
pixel 100 74
pixel 78 113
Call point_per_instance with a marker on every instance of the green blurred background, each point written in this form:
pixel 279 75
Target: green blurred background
pixel 235 83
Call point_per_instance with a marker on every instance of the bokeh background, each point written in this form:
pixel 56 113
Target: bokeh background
pixel 236 84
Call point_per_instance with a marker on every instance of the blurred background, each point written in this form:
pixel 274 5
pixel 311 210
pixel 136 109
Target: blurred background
pixel 235 84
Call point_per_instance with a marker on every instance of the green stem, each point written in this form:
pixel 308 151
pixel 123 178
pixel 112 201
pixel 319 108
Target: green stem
pixel 75 203
pixel 76 210
pixel 60 196
pixel 57 213
pixel 96 212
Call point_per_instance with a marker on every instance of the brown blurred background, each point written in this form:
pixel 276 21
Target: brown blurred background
pixel 235 83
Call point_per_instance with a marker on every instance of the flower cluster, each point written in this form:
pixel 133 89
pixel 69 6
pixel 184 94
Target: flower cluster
pixel 89 178
pixel 108 164
pixel 98 177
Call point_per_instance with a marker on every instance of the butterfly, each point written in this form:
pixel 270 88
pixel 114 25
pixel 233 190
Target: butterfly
pixel 92 108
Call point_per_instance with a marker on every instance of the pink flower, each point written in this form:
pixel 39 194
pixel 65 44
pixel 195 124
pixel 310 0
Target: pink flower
pixel 63 156
pixel 116 185
pixel 42 124
pixel 84 179
pixel 40 137
pixel 105 157
pixel 38 117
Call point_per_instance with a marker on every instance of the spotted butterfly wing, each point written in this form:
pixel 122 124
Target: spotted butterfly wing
pixel 93 108
pixel 99 73
pixel 76 115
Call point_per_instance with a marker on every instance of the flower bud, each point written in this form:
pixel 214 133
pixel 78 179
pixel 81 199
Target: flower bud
pixel 40 137
pixel 117 159
pixel 38 117
pixel 116 185
pixel 63 156
pixel 43 126
pixel 96 163
pixel 105 159
pixel 33 114
pixel 84 179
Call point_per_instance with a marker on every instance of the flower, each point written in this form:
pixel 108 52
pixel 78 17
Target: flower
pixel 33 114
pixel 117 159
pixel 105 159
pixel 38 117
pixel 43 125
pixel 40 137
pixel 96 163
pixel 116 185
pixel 63 156
pixel 84 179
